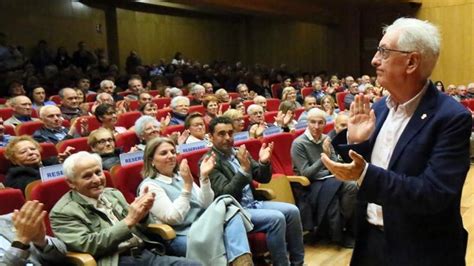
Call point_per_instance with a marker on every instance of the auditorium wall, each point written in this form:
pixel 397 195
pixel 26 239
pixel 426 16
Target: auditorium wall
pixel 455 19
pixel 59 22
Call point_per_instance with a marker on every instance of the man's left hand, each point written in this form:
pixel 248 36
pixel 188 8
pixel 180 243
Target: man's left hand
pixel 29 223
pixel 346 171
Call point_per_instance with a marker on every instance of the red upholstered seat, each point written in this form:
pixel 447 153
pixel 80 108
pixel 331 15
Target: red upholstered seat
pixel 51 191
pixel 6 113
pixel 225 107
pixel 92 123
pixel 126 140
pixel 193 158
pixel 273 104
pixel 28 128
pixel 56 99
pixel 281 157
pixel 247 103
pixel 340 100
pixel 276 89
pixel 252 145
pixel 306 91
pixel 197 108
pixel 328 128
pixel 270 116
pixel 80 144
pixel 298 112
pixel 133 105
pixel 162 102
pixel 162 113
pixel 10 199
pixel 91 97
pixel 127 120
pixel 10 130
pixel 127 178
pixel 174 128
pixel 233 95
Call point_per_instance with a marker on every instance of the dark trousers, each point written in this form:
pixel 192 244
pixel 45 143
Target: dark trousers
pixel 370 249
pixel 148 258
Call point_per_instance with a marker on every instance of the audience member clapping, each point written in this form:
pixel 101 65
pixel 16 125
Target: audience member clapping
pixel 196 126
pixel 25 157
pixel 181 203
pixel 53 130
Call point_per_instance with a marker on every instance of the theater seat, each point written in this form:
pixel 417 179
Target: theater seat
pixel 127 178
pixel 193 158
pixel 80 144
pixel 270 116
pixel 28 128
pixel 273 104
pixel 174 128
pixel 11 199
pixel 306 91
pixel 10 130
pixel 298 113
pixel 197 108
pixel 126 140
pixel 276 90
pixel 340 100
pixel 252 145
pixel 233 95
pixel 127 120
pixel 6 113
pixel 162 102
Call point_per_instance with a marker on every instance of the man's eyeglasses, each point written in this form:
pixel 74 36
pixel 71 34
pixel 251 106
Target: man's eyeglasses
pixel 103 141
pixel 385 52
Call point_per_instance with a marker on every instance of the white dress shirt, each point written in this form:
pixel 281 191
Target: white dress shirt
pixel 398 117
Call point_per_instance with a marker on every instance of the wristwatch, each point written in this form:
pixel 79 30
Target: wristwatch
pixel 20 245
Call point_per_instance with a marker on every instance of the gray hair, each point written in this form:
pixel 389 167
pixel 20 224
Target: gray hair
pixel 142 122
pixel 418 36
pixel 106 82
pixel 45 108
pixel 259 98
pixel 175 92
pixel 241 85
pixel 196 88
pixel 253 107
pixel 100 96
pixel 175 100
pixel 70 162
pixel 316 112
pixel 470 85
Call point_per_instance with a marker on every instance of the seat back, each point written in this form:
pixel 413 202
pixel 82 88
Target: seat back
pixel 281 156
pixel 127 120
pixel 252 145
pixel 126 178
pixel 56 99
pixel 276 90
pixel 11 199
pixel 10 130
pixel 340 100
pixel 328 127
pixel 174 128
pixel 225 107
pixel 133 105
pixel 91 97
pixel 233 95
pixel 51 191
pixel 298 113
pixel 193 158
pixel 92 123
pixel 270 116
pixel 28 128
pixel 162 113
pixel 162 102
pixel 273 104
pixel 197 108
pixel 80 144
pixel 48 149
pixel 6 113
pixel 306 91
pixel 126 140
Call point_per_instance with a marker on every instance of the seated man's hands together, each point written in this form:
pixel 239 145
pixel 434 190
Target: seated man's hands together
pixel 29 224
pixel 139 208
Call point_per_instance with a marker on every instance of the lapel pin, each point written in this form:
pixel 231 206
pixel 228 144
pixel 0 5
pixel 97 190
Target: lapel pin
pixel 423 116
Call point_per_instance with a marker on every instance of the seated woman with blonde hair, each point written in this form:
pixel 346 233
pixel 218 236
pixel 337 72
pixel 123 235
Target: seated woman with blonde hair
pixel 289 94
pixel 25 155
pixel 180 203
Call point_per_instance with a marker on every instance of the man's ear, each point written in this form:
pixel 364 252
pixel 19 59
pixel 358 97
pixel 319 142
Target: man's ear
pixel 414 62
pixel 70 184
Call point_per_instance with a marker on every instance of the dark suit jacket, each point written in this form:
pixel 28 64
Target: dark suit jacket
pixel 44 134
pixel 224 180
pixel 420 192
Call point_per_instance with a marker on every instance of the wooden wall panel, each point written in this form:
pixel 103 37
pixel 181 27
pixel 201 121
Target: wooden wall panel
pixel 59 22
pixel 156 36
pixel 455 19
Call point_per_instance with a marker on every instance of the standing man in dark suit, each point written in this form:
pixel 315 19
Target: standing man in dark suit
pixel 414 147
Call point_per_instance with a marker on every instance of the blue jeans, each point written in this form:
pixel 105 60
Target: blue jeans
pixel 282 225
pixel 235 240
